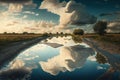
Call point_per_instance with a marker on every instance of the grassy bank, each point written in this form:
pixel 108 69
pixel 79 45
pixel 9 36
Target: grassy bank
pixel 110 38
pixel 9 38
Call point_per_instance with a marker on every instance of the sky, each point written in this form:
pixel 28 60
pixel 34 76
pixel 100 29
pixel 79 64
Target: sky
pixel 39 16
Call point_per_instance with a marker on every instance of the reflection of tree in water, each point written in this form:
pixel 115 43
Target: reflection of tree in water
pixel 109 74
pixel 101 58
pixel 50 38
pixel 112 59
pixel 77 38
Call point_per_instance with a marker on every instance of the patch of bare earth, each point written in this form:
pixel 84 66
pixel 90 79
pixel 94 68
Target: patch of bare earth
pixel 110 47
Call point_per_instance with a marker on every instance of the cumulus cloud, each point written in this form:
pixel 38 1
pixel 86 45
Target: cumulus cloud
pixel 11 24
pixel 16 5
pixel 69 59
pixel 69 12
pixel 15 1
pixel 114 27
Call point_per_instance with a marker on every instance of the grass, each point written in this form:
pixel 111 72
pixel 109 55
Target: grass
pixel 9 38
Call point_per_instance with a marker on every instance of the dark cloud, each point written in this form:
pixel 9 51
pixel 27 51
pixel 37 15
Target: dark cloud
pixel 90 21
pixel 15 1
pixel 110 14
pixel 15 74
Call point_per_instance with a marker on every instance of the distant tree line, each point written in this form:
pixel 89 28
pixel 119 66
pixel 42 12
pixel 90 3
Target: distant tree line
pixel 18 33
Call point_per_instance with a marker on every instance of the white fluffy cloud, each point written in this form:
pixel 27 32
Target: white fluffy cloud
pixel 69 12
pixel 69 59
pixel 11 24
pixel 100 67
pixel 16 5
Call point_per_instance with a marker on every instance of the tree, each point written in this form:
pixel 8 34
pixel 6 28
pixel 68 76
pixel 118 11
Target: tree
pixel 45 34
pixel 25 32
pixel 100 27
pixel 57 33
pixel 50 33
pixel 5 32
pixel 78 32
pixel 61 33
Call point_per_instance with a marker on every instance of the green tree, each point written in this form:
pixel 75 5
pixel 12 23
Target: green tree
pixel 78 32
pixel 100 27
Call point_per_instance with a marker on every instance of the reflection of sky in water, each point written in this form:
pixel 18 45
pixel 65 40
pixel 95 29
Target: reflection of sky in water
pixel 66 62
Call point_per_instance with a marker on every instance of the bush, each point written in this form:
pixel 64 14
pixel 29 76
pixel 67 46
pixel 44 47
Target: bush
pixel 78 32
pixel 45 34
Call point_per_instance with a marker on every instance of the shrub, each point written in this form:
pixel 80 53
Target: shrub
pixel 78 32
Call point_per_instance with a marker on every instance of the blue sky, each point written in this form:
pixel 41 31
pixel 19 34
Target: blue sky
pixel 37 11
pixel 95 7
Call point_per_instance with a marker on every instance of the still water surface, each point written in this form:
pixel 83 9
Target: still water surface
pixel 61 58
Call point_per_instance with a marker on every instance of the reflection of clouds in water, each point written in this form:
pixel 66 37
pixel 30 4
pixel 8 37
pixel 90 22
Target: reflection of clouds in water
pixel 29 54
pixel 113 59
pixel 17 71
pixel 69 59
pixel 66 41
pixel 54 45
pixel 17 64
pixel 100 67
pixel 92 58
pixel 34 49
pixel 28 57
pixel 31 58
